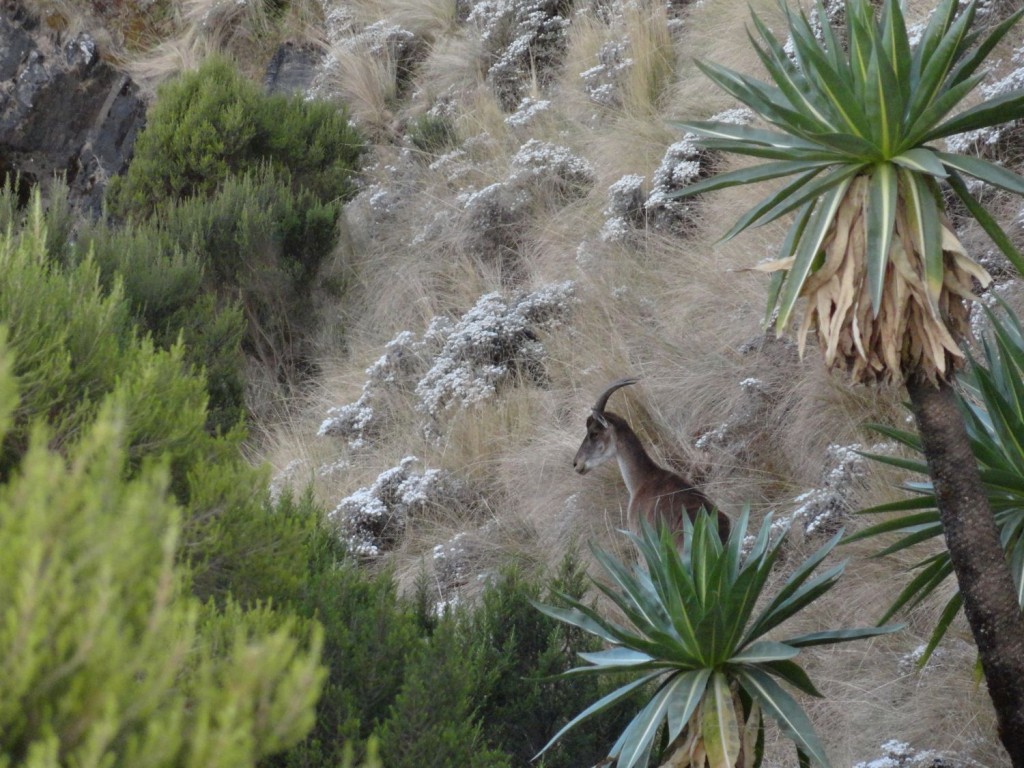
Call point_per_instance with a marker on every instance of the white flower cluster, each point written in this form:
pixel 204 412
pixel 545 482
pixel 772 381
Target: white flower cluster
pixel 542 163
pixel 524 38
pixel 602 83
pixel 527 112
pixel 372 520
pixel 404 359
pixel 539 171
pixel 625 209
pixel 492 344
pixel 455 363
pixel 683 164
pixel 898 754
pixel 822 509
pixel 745 423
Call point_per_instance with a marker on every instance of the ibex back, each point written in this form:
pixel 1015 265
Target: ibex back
pixel 655 493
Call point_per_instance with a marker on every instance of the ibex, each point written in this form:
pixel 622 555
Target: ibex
pixel 655 493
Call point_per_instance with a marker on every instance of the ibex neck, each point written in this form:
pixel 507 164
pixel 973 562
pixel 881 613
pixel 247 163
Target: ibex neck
pixel 634 463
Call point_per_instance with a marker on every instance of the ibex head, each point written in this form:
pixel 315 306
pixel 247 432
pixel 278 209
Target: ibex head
pixel 599 444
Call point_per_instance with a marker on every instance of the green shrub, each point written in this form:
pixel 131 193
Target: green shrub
pixel 105 657
pixel 162 284
pixel 75 345
pixel 213 123
pixel 464 687
pixel 238 194
pixel 521 708
pixel 433 134
pixel 263 245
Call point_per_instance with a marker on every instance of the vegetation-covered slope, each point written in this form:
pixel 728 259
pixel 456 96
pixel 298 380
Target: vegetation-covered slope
pixel 514 249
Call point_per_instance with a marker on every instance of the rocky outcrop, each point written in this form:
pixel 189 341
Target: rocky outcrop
pixel 63 110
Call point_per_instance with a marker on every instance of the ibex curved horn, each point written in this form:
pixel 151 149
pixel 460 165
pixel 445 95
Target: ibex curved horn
pixel 602 401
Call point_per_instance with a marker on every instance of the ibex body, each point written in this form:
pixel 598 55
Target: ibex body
pixel 655 493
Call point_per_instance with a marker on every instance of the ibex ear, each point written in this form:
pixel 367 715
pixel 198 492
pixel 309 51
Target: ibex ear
pixel 599 418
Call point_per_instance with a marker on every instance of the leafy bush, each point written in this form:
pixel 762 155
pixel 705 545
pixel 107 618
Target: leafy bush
pixel 433 134
pixel 463 687
pixel 239 194
pixel 263 245
pixel 163 287
pixel 75 345
pixel 213 123
pixel 106 659
pixel 522 707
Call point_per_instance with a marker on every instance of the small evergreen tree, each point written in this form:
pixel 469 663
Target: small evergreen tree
pixel 211 124
pixel 74 347
pixel 105 657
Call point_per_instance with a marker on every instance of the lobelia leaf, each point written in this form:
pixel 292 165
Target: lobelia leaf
pixel 786 712
pixel 720 725
pixel 686 691
pixel 810 245
pixel 881 218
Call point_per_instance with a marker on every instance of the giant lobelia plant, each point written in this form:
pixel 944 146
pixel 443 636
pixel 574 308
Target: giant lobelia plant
pixel 992 399
pixel 696 640
pixel 856 121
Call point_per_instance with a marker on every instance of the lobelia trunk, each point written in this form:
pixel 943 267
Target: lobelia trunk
pixel 989 597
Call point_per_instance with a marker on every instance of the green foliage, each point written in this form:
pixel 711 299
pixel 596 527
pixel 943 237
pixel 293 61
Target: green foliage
pixel 263 245
pixel 233 198
pixel 464 687
pixel 992 401
pixel 695 637
pixel 432 719
pixel 163 285
pixel 75 346
pixel 106 658
pixel 855 122
pixel 433 134
pixel 522 707
pixel 212 124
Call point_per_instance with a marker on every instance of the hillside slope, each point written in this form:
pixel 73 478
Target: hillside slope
pixel 515 252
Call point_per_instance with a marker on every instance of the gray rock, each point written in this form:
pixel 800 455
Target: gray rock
pixel 63 110
pixel 291 69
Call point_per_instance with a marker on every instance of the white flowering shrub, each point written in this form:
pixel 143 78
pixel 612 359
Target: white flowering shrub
pixel 404 360
pixel 625 210
pixel 522 38
pixel 372 520
pixel 454 364
pixel 603 82
pixel 493 344
pixel 824 509
pixel 745 424
pixel 684 164
pixel 495 217
pixel 898 754
pixel 540 164
pixel 527 111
